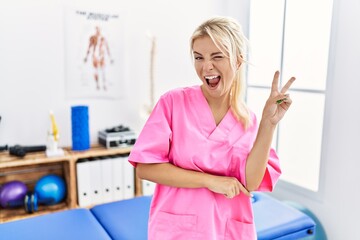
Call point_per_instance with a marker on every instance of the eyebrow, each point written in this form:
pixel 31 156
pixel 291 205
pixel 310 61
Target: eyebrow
pixel 213 54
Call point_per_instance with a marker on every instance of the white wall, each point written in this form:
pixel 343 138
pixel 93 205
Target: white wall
pixel 32 82
pixel 32 78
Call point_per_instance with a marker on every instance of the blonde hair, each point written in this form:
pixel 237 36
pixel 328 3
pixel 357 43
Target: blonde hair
pixel 227 35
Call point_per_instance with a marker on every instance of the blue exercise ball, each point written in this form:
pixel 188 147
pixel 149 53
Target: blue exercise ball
pixel 320 233
pixel 50 189
pixel 12 194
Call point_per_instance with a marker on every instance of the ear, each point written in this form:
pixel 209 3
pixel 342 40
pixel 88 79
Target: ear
pixel 238 65
pixel 239 62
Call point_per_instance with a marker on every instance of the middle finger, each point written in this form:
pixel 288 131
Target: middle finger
pixel 287 85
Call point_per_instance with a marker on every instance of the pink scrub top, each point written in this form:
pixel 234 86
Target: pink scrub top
pixel 181 130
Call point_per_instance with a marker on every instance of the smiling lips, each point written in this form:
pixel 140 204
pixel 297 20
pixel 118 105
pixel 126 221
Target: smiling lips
pixel 212 81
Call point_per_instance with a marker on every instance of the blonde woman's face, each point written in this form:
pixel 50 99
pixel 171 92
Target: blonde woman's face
pixel 213 68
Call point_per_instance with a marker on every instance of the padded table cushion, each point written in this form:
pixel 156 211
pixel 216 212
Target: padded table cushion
pixel 69 224
pixel 126 219
pixel 276 220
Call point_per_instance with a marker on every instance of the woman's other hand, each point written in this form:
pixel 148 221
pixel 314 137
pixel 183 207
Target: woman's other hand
pixel 228 186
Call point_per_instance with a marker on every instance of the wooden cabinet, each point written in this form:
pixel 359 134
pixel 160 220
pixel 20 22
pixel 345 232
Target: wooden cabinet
pixel 35 165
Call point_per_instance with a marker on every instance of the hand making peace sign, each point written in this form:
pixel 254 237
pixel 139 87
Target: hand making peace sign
pixel 278 102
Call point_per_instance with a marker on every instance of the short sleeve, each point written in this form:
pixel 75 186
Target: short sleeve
pixel 272 173
pixel 153 143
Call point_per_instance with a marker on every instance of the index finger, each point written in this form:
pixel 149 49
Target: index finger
pixel 275 82
pixel 244 190
pixel 287 85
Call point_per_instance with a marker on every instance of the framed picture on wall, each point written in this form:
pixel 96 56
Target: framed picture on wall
pixel 94 50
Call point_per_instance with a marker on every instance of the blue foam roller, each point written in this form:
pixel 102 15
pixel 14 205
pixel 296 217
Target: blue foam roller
pixel 80 128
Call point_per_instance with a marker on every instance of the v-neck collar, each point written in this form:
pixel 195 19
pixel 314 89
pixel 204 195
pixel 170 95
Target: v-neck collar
pixel 207 121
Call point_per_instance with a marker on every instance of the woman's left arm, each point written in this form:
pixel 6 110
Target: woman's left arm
pixel 274 110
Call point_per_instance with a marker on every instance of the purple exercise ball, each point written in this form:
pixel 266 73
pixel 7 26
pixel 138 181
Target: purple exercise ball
pixel 12 194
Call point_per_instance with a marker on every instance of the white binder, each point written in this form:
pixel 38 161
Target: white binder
pixel 117 178
pixel 83 178
pixel 96 181
pixel 128 173
pixel 106 179
pixel 148 187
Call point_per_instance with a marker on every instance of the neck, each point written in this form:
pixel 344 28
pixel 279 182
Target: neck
pixel 219 105
pixel 217 102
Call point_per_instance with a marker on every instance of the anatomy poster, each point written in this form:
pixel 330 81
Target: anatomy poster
pixel 94 54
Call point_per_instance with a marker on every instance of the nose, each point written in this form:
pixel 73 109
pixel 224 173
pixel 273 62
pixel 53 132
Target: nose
pixel 208 65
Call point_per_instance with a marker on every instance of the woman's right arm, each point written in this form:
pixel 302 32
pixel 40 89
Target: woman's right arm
pixel 171 175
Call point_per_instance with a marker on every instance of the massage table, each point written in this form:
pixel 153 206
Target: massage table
pixel 127 220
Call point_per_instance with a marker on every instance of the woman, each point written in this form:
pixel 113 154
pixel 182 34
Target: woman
pixel 204 148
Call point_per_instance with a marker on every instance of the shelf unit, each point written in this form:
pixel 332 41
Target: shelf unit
pixel 35 165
